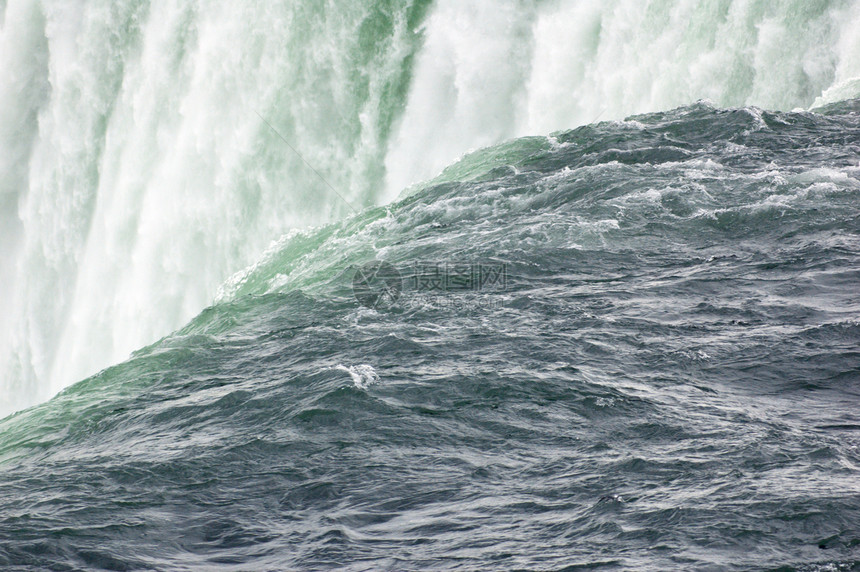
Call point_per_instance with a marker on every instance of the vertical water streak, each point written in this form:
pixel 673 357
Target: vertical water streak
pixel 488 73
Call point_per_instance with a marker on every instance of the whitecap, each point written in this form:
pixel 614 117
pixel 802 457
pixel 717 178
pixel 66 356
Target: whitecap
pixel 363 375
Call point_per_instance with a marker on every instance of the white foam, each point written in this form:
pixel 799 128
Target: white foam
pixel 363 375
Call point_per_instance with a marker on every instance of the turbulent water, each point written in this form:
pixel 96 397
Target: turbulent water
pixel 138 171
pixel 410 329
pixel 633 345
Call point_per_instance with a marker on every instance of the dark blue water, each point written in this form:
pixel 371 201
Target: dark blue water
pixel 631 346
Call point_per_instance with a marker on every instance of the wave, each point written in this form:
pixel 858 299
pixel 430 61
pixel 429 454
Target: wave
pixel 661 352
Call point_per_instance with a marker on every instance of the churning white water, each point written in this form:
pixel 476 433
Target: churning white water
pixel 137 175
